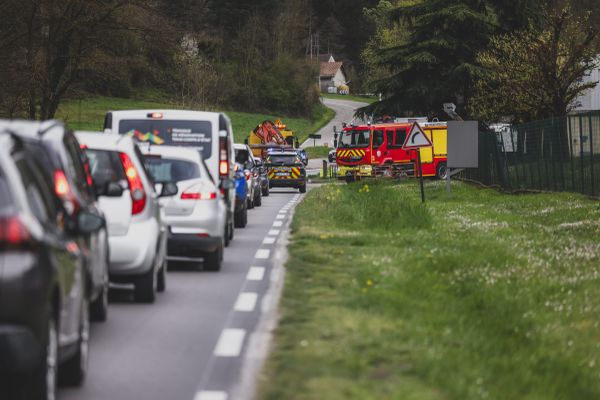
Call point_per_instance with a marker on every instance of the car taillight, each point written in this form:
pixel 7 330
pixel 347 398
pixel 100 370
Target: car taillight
pixel 62 188
pixel 223 158
pixel 247 174
pixel 136 188
pixel 14 234
pixel 194 193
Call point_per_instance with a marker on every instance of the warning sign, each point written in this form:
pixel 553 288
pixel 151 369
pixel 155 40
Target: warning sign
pixel 416 138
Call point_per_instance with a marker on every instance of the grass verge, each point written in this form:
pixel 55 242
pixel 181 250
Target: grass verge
pixel 317 152
pixel 477 296
pixel 362 99
pixel 88 114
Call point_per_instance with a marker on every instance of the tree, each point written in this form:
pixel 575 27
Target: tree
pixel 437 64
pixel 537 72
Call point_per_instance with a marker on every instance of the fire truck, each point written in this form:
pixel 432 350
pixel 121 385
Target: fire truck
pixel 376 150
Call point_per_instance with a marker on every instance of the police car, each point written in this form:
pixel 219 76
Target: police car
pixel 285 169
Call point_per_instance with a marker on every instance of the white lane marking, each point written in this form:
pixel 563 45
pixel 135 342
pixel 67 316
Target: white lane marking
pixel 246 302
pixel 210 395
pixel 256 274
pixel 274 232
pixel 230 343
pixel 269 240
pixel 277 223
pixel 280 216
pixel 263 254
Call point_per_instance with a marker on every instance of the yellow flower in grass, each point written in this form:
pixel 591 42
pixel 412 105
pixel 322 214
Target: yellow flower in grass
pixel 369 282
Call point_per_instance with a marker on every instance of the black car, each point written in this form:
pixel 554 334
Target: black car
pixel 263 175
pixel 285 169
pixel 59 156
pixel 44 312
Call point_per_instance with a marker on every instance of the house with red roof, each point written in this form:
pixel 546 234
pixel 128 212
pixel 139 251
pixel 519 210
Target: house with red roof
pixel 332 77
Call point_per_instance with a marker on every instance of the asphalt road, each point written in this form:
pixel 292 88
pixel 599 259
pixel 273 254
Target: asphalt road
pixel 190 344
pixel 344 112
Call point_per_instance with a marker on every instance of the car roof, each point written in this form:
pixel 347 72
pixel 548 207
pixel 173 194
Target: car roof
pixel 284 153
pixel 239 146
pixel 174 152
pixel 103 141
pixel 168 114
pixel 33 129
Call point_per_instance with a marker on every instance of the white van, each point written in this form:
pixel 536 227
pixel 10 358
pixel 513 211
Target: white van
pixel 208 132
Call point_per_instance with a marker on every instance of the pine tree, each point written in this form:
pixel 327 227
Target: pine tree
pixel 437 64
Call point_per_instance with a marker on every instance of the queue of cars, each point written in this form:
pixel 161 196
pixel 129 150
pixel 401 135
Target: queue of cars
pixel 80 210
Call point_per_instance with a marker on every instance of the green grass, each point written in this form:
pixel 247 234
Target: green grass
pixel 475 296
pixel 318 152
pixel 362 99
pixel 88 114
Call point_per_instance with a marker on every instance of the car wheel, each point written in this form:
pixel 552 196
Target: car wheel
pixel 73 371
pixel 212 261
pixel 145 287
pixel 258 199
pixel 226 233
pixel 161 280
pixel 303 188
pixel 44 379
pixel 231 229
pixel 241 218
pixel 441 171
pixel 265 191
pixel 99 307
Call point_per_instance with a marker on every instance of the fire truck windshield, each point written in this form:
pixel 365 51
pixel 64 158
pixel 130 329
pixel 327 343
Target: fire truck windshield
pixel 355 138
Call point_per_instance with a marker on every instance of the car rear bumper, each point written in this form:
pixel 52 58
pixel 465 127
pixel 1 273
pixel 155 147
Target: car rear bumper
pixel 191 246
pixel 20 350
pixel 134 253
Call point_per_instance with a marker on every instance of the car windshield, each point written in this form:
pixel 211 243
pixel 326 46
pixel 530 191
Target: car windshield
pixel 169 170
pixel 355 138
pixel 282 159
pixel 6 201
pixel 105 166
pixel 194 134
pixel 242 156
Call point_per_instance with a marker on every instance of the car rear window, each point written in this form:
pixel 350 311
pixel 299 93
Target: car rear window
pixel 282 159
pixel 194 134
pixel 169 170
pixel 6 201
pixel 105 166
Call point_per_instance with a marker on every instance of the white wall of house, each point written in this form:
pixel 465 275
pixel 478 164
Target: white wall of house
pixel 339 79
pixel 591 99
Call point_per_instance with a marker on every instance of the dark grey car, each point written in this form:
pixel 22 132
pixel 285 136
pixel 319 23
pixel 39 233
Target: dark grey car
pixel 44 320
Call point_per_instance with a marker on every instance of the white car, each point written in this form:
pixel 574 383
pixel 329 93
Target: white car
pixel 196 216
pixel 137 235
pixel 209 133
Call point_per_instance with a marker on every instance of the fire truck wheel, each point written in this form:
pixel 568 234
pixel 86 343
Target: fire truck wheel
pixel 303 188
pixel 442 171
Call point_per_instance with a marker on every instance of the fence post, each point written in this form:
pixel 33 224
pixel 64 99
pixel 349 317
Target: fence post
pixel 592 156
pixel 581 154
pixel 325 169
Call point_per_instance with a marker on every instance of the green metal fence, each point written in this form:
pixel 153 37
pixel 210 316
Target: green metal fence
pixel 557 154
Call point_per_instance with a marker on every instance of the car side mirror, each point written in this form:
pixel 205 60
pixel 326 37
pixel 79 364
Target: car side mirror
pixel 168 189
pixel 227 184
pixel 88 223
pixel 335 143
pixel 109 189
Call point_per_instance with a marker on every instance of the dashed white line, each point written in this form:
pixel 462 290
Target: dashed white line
pixel 246 302
pixel 210 395
pixel 263 254
pixel 280 216
pixel 256 274
pixel 277 223
pixel 269 240
pixel 230 343
pixel 274 232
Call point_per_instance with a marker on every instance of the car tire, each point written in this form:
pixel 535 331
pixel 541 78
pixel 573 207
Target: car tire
pixel 441 171
pixel 303 188
pixel 145 287
pixel 161 279
pixel 241 218
pixel 212 261
pixel 265 191
pixel 99 307
pixel 231 230
pixel 44 379
pixel 227 234
pixel 258 199
pixel 73 371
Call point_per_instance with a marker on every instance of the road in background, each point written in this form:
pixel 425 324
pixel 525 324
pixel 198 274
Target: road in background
pixel 189 344
pixel 344 112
